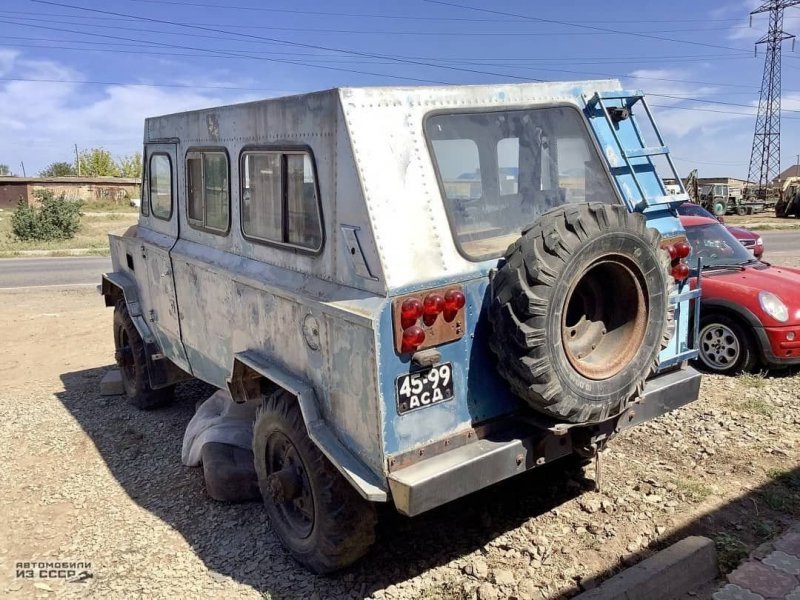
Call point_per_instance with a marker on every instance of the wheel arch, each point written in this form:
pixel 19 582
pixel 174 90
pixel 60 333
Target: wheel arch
pixel 251 371
pixel 161 371
pixel 729 309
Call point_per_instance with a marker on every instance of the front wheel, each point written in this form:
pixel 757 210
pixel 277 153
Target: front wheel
pixel 321 520
pixel 725 346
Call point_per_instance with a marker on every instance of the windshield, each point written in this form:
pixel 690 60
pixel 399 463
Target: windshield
pixel 499 170
pixel 693 210
pixel 716 246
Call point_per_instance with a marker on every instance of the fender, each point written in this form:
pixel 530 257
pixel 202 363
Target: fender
pixel 249 366
pixel 160 371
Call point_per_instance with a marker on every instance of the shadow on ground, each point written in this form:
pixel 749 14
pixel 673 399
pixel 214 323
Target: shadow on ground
pixel 142 450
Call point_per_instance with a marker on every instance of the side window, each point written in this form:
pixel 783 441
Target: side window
pixel 160 186
pixel 460 168
pixel 508 165
pixel 279 199
pixel 207 190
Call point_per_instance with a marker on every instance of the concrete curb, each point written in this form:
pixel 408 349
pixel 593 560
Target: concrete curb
pixel 681 568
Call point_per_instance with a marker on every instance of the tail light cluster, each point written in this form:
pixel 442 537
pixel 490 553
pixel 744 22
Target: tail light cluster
pixel 428 318
pixel 678 252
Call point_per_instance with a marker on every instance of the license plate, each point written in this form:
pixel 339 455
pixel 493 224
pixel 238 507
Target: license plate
pixel 425 387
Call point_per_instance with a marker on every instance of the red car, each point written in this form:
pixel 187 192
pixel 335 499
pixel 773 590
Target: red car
pixel 750 240
pixel 749 310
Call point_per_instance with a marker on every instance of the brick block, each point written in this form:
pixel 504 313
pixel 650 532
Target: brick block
pixel 111 384
pixel 674 571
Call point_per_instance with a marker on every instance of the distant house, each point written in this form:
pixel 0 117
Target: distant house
pixel 793 171
pixel 12 189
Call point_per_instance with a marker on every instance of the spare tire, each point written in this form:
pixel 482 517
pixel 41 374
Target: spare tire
pixel 580 311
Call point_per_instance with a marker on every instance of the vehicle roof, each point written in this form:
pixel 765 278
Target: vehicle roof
pixel 433 95
pixel 694 221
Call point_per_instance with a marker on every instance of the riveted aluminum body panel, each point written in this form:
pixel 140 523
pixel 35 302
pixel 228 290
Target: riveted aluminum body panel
pixel 386 233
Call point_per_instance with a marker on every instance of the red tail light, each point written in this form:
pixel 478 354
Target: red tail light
pixel 682 249
pixel 454 300
pixel 417 321
pixel 410 311
pixel 413 337
pixel 432 305
pixel 680 271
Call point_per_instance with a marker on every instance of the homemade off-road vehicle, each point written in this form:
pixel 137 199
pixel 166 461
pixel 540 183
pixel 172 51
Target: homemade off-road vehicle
pixel 418 291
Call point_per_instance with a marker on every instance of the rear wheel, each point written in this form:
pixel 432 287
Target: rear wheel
pixel 726 347
pixel 132 362
pixel 720 208
pixel 322 521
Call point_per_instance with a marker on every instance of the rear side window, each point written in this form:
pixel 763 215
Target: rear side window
pixel 161 186
pixel 279 199
pixel 208 190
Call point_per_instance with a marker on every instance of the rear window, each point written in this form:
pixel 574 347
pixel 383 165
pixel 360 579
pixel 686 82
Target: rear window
pixel 499 170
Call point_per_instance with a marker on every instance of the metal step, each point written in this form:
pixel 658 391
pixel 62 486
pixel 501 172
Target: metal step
pixel 651 151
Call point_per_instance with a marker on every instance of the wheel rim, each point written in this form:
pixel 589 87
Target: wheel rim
pixel 288 485
pixel 604 318
pixel 719 347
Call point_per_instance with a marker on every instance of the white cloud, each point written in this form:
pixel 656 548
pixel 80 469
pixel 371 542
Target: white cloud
pixel 42 121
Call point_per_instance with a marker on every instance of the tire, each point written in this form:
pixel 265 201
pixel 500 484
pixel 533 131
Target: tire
pixel 326 525
pixel 726 347
pixel 581 272
pixel 132 363
pixel 741 211
pixel 720 208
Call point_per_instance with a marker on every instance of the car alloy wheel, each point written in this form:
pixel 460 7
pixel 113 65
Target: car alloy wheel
pixel 719 347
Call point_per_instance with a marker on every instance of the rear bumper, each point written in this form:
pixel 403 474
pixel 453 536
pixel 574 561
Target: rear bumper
pixel 520 444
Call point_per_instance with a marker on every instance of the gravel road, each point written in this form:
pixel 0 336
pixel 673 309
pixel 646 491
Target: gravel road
pixel 85 477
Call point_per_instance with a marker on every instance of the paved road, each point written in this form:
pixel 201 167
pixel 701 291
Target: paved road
pixel 73 270
pixel 68 270
pixel 781 243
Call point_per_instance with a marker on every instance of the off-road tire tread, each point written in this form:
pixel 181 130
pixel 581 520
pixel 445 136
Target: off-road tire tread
pixel 521 292
pixel 344 527
pixel 138 391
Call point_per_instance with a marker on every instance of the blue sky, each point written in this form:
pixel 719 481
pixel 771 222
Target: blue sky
pixel 71 76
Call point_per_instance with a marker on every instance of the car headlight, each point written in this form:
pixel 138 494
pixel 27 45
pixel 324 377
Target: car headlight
pixel 759 241
pixel 773 306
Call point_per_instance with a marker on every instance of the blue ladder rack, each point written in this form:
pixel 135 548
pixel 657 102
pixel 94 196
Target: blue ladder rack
pixel 627 99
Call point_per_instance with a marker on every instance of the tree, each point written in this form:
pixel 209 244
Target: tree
pixel 97 162
pixel 5 171
pixel 58 169
pixel 131 165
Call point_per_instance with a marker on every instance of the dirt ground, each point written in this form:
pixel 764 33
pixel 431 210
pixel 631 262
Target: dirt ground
pixel 88 478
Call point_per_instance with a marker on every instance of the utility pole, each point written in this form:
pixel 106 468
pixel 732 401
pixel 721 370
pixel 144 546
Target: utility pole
pixel 22 164
pixel 77 161
pixel 765 157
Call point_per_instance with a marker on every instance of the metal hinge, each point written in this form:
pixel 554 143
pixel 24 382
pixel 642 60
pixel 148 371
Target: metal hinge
pixel 144 251
pixel 153 316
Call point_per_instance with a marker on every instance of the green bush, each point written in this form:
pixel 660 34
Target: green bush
pixel 56 218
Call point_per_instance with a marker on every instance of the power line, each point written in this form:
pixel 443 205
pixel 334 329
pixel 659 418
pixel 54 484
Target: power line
pixel 714 102
pixel 404 17
pixel 415 32
pixel 401 59
pixel 572 24
pixel 231 54
pixel 151 85
pixel 257 89
pixel 287 42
